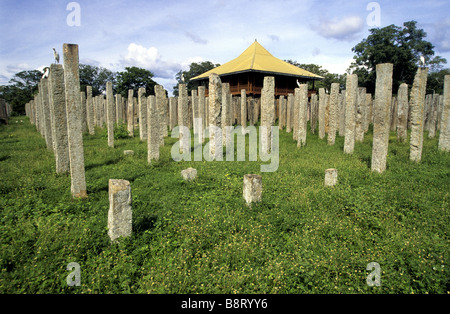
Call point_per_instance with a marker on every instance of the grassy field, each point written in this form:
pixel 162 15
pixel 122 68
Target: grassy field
pixel 199 237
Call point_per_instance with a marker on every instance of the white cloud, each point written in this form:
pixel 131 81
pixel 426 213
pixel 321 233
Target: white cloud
pixel 342 29
pixel 441 37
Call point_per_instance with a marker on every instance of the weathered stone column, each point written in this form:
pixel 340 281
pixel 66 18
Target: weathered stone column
pixel 195 112
pixel 183 116
pixel 161 104
pixel 173 112
pixel 110 114
pixel 267 112
pixel 417 114
pixel 153 129
pixel 46 113
pixel 73 113
pixel 381 112
pixel 289 112
pixel 439 116
pixel 90 110
pixel 120 211
pixel 302 114
pixel 215 116
pixel 402 113
pixel 359 114
pixel 444 134
pixel 118 100
pixel 142 105
pixel 252 190
pixel 331 176
pixel 322 108
pixel 282 114
pixel 84 127
pixel 342 113
pixel 59 125
pixel 314 111
pixel 226 113
pixel 433 116
pixel 243 108
pixel 350 106
pixel 333 113
pixel 202 109
pixel 130 114
pixel 369 106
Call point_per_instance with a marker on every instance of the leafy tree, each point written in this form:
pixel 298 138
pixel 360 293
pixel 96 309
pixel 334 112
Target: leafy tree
pixel 317 69
pixel 195 69
pixel 96 77
pixel 21 89
pixel 435 81
pixel 401 46
pixel 134 78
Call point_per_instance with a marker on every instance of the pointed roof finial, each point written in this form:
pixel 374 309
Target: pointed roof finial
pixel 255 39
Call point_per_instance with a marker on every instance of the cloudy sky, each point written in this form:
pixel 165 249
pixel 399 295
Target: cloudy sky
pixel 166 36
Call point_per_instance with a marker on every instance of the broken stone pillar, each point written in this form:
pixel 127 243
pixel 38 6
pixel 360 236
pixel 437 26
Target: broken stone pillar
pixel 73 113
pixel 267 112
pixel 302 114
pixel 417 114
pixel 110 114
pixel 189 174
pixel 252 190
pixel 444 135
pixel 322 108
pixel 153 129
pixel 120 211
pixel 128 152
pixel 215 116
pixel 173 112
pixel 90 110
pixel 350 105
pixel 381 113
pixel 331 177
pixel 142 107
pixel 59 125
pixel 402 113
pixel 243 108
pixel 333 113
pixel 130 114
pixel 342 113
pixel 359 114
pixel 183 116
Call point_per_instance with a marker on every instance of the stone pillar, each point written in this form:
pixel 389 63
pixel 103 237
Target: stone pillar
pixel 444 134
pixel 252 190
pixel 433 116
pixel 161 104
pixel 350 105
pixel 322 108
pixel 73 113
pixel 243 108
pixel 402 113
pixel 439 116
pixel 84 127
pixel 215 116
pixel 202 108
pixel 381 112
pixel 331 177
pixel 120 211
pixel 327 112
pixel 333 113
pixel 359 114
pixel 58 104
pixel 46 113
pixel 153 130
pixel 342 113
pixel 195 112
pixel 226 113
pixel 142 105
pixel 282 114
pixel 314 111
pixel 130 114
pixel 289 112
pixel 183 116
pixel 302 114
pixel 369 108
pixel 267 112
pixel 417 114
pixel 90 110
pixel 110 115
pixel 173 112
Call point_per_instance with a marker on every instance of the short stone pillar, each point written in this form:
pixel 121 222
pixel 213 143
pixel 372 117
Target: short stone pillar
pixel 128 152
pixel 120 211
pixel 331 176
pixel 252 190
pixel 189 174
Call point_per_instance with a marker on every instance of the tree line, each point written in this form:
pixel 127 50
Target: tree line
pixel 403 46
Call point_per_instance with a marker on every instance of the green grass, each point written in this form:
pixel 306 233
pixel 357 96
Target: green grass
pixel 199 237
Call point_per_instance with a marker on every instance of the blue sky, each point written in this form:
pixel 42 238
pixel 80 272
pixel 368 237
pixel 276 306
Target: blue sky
pixel 166 36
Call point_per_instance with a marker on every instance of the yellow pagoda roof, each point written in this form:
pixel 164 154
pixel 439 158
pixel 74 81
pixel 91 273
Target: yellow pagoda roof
pixel 256 58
